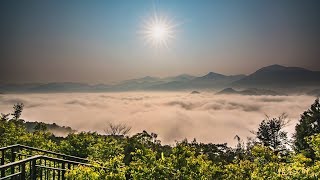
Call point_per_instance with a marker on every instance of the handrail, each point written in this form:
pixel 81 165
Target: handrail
pixel 9 147
pixel 47 167
pixel 10 176
pixel 51 152
pixel 44 151
pixel 65 160
pixel 59 163
pixel 20 162
pixel 41 157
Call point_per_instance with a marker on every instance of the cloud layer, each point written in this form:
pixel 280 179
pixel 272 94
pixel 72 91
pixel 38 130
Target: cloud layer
pixel 174 116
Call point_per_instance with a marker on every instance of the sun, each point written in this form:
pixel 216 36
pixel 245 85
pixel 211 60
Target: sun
pixel 158 31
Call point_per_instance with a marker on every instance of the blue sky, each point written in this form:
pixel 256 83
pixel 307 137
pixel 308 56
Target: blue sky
pixel 98 41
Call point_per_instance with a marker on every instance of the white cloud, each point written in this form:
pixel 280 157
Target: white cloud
pixel 173 116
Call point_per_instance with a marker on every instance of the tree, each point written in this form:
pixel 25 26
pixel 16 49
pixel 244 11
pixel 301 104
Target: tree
pixel 40 127
pixel 117 129
pixel 309 124
pixel 270 132
pixel 17 110
pixel 182 163
pixel 239 151
pixel 314 142
pixel 4 117
pixel 79 144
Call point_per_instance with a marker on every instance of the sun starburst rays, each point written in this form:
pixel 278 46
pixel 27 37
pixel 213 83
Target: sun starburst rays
pixel 159 31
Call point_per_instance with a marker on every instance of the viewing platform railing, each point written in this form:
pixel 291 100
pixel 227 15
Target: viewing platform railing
pixel 24 162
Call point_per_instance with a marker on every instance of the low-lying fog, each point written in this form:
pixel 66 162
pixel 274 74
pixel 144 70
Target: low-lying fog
pixel 173 116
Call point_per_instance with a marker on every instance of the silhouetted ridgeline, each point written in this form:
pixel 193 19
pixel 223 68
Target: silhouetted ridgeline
pixel 251 91
pixel 277 76
pixel 291 79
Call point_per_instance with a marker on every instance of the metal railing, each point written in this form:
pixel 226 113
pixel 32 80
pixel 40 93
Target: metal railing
pixel 14 149
pixel 24 162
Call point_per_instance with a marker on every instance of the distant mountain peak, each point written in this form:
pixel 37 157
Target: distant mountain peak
pixel 277 67
pixel 212 75
pixel 250 91
pixel 187 76
pixel 281 77
pixel 149 78
pixel 227 91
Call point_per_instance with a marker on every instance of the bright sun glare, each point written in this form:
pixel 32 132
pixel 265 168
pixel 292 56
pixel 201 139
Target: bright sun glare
pixel 158 31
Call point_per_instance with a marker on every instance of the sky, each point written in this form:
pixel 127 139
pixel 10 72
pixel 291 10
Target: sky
pixel 101 42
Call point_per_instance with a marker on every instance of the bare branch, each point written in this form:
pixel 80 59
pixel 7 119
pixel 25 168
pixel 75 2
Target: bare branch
pixel 117 129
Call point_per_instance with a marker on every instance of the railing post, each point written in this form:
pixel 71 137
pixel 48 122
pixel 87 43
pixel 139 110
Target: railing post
pixel 54 171
pixel 33 170
pixel 40 169
pixel 13 158
pixel 63 171
pixel 59 175
pixel 23 171
pixel 18 151
pixel 2 163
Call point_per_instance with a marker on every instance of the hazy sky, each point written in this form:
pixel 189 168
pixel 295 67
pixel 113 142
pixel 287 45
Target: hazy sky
pixel 99 41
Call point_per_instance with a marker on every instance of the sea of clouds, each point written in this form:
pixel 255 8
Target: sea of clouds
pixel 173 116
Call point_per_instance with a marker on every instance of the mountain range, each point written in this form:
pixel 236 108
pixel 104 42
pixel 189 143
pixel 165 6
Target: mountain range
pixel 270 77
pixel 276 76
pixel 251 92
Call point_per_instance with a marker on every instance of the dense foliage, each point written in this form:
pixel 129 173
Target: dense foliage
pixel 142 156
pixel 309 124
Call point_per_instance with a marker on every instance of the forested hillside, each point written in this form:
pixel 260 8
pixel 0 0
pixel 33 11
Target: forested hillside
pixel 272 154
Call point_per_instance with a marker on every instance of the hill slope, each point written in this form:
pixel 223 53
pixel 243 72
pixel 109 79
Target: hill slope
pixel 276 76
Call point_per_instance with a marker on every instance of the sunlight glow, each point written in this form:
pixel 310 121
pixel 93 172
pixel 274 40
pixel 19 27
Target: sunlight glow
pixel 158 31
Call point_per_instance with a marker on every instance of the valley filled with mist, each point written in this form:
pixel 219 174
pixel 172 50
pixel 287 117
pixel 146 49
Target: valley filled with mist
pixel 206 116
